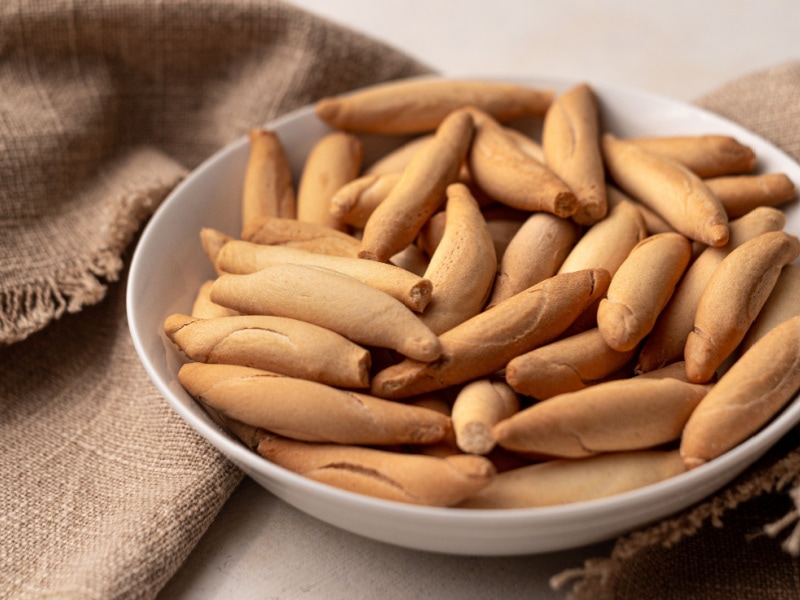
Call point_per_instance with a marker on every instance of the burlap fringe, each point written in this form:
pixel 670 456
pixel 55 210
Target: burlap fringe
pixel 30 307
pixel 590 581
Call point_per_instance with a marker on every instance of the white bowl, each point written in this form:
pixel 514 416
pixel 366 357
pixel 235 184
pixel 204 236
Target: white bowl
pixel 169 265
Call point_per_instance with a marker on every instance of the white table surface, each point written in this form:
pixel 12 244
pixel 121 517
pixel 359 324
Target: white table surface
pixel 259 547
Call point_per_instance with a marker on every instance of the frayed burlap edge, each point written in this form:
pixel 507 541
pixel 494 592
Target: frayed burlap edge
pixel 28 308
pixel 590 580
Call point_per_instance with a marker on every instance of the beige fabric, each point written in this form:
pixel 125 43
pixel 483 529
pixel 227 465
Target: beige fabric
pixel 103 108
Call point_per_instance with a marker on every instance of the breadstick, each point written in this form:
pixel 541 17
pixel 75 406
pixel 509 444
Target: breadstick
pixel 571 145
pixel 566 481
pixel 397 220
pixel 333 161
pixel 614 416
pixel 733 298
pixel 240 257
pixel 740 194
pixel 341 303
pixel 652 222
pixel 307 410
pixel 641 288
pixel 565 365
pixel 355 201
pixel 781 306
pixel 419 105
pixel 746 397
pixel 267 189
pixel 396 160
pixel 535 252
pixel 410 478
pixel 513 177
pixel 478 407
pixel 204 308
pixel 607 243
pixel 286 346
pixel 485 343
pixel 463 267
pixel 212 240
pixel 667 187
pixel 667 340
pixel 704 155
pixel 299 234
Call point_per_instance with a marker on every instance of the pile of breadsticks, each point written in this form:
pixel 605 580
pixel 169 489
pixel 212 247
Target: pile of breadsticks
pixel 484 317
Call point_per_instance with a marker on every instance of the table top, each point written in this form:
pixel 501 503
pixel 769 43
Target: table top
pixel 259 547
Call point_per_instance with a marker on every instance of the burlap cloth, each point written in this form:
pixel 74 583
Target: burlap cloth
pixel 104 106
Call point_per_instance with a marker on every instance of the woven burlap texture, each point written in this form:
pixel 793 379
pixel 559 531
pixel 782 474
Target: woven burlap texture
pixel 104 107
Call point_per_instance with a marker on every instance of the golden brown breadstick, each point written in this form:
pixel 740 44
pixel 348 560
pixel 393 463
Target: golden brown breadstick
pixel 204 308
pixel 748 395
pixel 566 481
pixel 607 243
pixel 240 257
pixel 625 414
pixel 410 478
pixel 781 306
pixel 299 234
pixel 333 161
pixel 355 201
pixel 396 160
pixel 286 346
pixel 307 410
pixel 641 288
pixel 267 189
pixel 535 252
pixel 667 341
pixel 419 105
pixel 733 298
pixel 704 155
pixel 463 266
pixel 740 194
pixel 513 177
pixel 485 343
pixel 478 407
pixel 668 188
pixel 341 303
pixel 212 241
pixel 571 145
pixel 652 222
pixel 396 221
pixel 565 365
